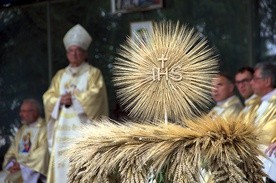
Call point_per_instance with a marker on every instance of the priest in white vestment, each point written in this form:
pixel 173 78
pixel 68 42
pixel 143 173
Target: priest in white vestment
pixel 27 158
pixel 77 95
pixel 227 104
pixel 243 78
pixel 264 85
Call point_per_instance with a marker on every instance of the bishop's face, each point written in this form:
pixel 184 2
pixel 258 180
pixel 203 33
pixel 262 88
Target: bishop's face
pixel 76 55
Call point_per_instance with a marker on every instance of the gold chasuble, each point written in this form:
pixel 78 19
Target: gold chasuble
pixel 89 101
pixel 29 147
pixel 249 111
pixel 266 119
pixel 227 109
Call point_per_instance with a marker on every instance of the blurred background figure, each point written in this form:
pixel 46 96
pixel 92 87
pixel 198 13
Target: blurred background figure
pixel 27 158
pixel 77 95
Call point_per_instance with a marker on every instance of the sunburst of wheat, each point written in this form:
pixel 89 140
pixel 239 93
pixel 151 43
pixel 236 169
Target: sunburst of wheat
pixel 169 74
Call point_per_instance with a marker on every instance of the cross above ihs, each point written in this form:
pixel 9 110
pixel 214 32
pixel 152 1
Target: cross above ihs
pixel 173 73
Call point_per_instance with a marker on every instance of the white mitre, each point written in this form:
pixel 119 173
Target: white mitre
pixel 77 36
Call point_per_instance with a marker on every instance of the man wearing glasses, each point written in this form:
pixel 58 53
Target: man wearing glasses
pixel 243 78
pixel 263 85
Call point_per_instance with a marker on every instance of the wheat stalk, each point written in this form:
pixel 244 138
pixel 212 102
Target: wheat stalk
pixel 227 148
